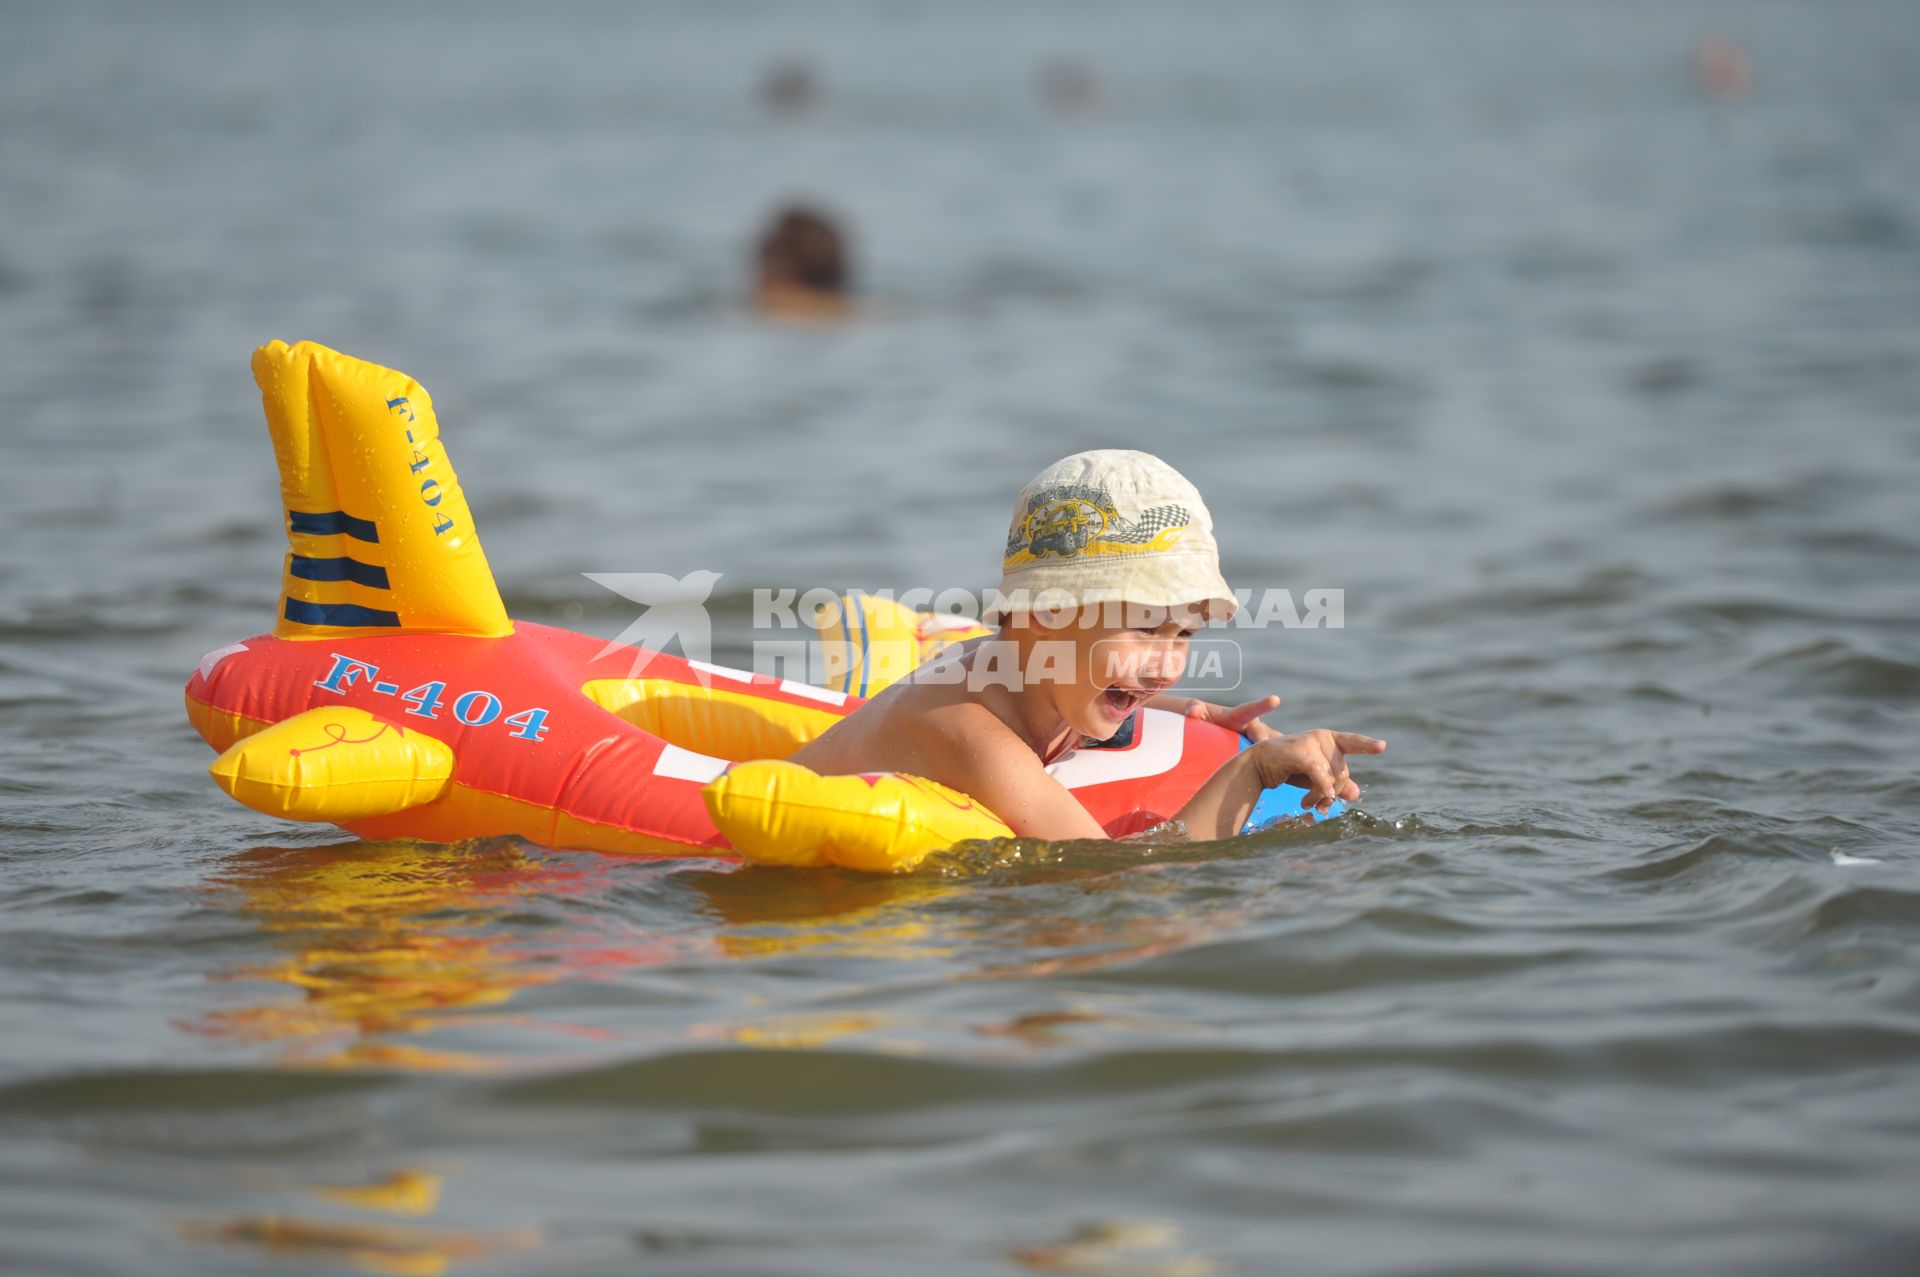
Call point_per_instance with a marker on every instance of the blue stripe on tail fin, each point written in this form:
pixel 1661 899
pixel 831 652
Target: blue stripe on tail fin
pixel 342 568
pixel 314 523
pixel 301 612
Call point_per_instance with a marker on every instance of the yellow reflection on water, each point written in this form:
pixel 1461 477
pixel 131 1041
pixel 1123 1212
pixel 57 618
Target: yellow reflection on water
pixel 385 941
pixel 388 1249
pixel 394 1250
pixel 1116 1248
pixel 769 913
pixel 804 1032
pixel 405 1192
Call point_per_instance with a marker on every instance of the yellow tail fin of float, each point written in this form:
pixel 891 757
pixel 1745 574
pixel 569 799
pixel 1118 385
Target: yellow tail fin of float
pixel 380 539
pixel 872 642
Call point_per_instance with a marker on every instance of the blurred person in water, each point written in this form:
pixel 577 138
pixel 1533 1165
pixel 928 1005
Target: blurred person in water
pixel 802 266
pixel 1722 67
pixel 1109 569
pixel 1069 88
pixel 790 88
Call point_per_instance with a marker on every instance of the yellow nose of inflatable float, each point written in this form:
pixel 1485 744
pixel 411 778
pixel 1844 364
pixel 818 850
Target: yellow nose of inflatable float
pixel 395 698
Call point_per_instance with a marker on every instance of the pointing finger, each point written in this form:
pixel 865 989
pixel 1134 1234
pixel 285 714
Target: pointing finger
pixel 1320 789
pixel 1240 715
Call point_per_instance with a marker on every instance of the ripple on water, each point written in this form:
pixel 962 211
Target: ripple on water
pixel 1839 668
pixel 1716 855
pixel 168 1102
pixel 1857 912
pixel 1723 500
pixel 1373 949
pixel 829 1085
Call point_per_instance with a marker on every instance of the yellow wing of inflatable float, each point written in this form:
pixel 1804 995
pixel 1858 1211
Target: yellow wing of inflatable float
pixel 778 813
pixel 394 696
pixel 334 763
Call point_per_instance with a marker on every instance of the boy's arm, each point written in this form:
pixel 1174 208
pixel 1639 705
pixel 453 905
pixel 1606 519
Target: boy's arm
pixel 1219 808
pixel 982 759
pixel 1316 761
pixel 986 762
pixel 1244 719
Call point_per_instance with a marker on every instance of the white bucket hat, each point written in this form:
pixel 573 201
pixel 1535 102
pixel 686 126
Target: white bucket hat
pixel 1111 526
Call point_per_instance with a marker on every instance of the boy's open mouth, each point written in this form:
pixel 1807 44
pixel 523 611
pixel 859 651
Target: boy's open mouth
pixel 1121 702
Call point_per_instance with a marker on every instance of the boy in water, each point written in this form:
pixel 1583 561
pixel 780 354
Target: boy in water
pixel 1110 568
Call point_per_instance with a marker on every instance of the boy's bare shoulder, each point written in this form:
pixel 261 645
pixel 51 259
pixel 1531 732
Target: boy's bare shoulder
pixel 942 731
pixel 964 745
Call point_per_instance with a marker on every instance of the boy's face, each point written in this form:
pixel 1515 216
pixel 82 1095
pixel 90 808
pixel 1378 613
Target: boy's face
pixel 1121 657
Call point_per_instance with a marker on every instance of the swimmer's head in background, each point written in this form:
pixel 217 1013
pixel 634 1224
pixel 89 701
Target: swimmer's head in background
pixel 804 252
pixel 1112 526
pixel 790 86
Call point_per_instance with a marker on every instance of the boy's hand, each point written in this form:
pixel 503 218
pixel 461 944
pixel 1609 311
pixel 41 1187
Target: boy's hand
pixel 1316 761
pixel 1244 719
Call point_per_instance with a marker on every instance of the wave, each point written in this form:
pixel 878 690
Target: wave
pixel 1840 668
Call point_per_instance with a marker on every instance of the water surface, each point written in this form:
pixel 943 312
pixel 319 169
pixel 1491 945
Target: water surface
pixel 1595 394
